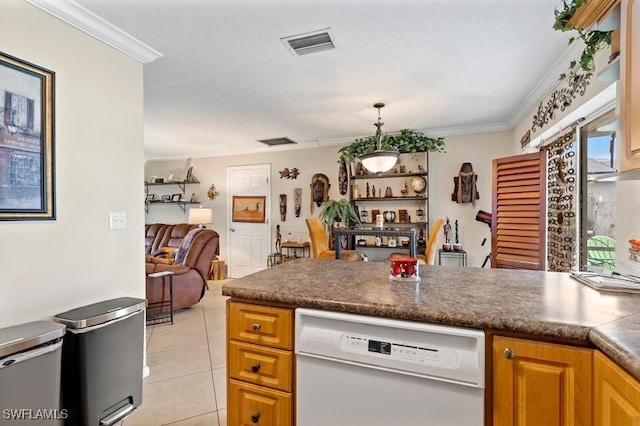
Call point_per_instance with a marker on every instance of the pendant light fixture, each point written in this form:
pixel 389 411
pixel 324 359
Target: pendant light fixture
pixel 379 161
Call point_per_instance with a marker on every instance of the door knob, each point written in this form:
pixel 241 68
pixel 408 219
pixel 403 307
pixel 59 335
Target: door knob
pixel 256 327
pixel 255 367
pixel 255 418
pixel 509 353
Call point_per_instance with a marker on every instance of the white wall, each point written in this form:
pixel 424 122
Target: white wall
pixel 49 267
pixel 479 149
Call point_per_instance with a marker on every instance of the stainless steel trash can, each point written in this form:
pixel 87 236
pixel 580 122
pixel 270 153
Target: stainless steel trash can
pixel 30 356
pixel 102 361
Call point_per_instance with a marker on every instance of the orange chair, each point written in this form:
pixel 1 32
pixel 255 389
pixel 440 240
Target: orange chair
pixel 431 248
pixel 320 243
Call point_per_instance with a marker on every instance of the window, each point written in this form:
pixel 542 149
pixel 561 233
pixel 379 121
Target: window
pixel 597 209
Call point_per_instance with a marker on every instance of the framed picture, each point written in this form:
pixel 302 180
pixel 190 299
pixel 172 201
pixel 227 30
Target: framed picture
pixel 27 190
pixel 189 177
pixel 150 197
pixel 248 208
pixel 166 198
pixel 176 197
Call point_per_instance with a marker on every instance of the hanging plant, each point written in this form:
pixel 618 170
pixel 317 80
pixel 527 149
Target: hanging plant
pixel 593 40
pixel 408 141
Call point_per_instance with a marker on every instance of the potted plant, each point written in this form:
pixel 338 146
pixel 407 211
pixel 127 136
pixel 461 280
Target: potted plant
pixel 337 211
pixel 410 141
pixel 593 40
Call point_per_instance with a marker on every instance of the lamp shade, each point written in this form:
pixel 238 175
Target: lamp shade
pixel 379 161
pixel 200 216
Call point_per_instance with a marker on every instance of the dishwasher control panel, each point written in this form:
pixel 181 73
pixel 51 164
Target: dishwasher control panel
pixel 399 350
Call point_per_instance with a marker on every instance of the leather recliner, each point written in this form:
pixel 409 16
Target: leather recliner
pixel 194 253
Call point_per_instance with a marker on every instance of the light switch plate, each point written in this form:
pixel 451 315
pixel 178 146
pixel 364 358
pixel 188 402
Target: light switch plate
pixel 118 220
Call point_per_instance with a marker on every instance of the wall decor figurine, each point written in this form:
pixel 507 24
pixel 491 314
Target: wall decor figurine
pixel 212 193
pixel 189 177
pixel 283 207
pixel 278 240
pixel 289 174
pixel 447 235
pixel 465 189
pixel 319 189
pixel 342 178
pixel 297 200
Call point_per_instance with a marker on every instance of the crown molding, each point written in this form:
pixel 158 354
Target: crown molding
pixel 469 129
pixel 550 80
pixel 83 19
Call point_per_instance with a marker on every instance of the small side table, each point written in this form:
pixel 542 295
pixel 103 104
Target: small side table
pixel 295 245
pixel 160 317
pixel 461 255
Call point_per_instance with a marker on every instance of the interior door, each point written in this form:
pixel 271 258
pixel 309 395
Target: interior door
pixel 249 238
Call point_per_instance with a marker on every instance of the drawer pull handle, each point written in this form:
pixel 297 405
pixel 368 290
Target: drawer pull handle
pixel 255 418
pixel 256 327
pixel 509 353
pixel 255 367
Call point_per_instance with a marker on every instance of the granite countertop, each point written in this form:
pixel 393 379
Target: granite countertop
pixel 535 303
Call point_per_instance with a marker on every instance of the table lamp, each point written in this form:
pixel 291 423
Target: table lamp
pixel 199 216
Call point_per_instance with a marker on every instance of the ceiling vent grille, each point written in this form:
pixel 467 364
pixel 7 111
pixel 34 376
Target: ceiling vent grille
pixel 277 141
pixel 303 44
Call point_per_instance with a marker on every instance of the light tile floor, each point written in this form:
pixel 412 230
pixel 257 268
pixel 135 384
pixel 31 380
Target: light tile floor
pixel 187 362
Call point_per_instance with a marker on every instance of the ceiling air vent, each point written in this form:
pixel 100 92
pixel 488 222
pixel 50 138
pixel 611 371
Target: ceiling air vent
pixel 277 141
pixel 303 44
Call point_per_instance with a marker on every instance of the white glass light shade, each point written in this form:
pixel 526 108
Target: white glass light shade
pixel 200 216
pixel 379 161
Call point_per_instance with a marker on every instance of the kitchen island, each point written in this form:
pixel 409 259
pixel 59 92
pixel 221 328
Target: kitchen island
pixel 540 306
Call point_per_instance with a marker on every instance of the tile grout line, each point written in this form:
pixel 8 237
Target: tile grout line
pixel 213 382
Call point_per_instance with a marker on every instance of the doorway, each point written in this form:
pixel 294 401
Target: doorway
pixel 249 240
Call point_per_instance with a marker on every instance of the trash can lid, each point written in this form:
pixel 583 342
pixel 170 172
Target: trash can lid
pixel 100 312
pixel 21 337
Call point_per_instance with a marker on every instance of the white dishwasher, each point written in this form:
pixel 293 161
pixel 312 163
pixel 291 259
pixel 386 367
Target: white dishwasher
pixel 359 370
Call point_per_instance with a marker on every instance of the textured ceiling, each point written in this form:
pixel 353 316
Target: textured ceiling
pixel 226 79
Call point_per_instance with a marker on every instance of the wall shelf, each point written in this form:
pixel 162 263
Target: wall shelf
pixel 388 175
pixel 180 184
pixel 390 199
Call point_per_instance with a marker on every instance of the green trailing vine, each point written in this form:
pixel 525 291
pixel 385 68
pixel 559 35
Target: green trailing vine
pixel 593 40
pixel 408 141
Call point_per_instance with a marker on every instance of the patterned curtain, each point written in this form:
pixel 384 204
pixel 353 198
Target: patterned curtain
pixel 561 203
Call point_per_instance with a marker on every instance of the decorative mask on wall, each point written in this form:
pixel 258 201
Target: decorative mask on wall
pixel 465 189
pixel 319 189
pixel 297 200
pixel 283 207
pixel 342 178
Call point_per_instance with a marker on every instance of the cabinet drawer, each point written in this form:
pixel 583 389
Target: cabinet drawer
pixel 260 365
pixel 263 325
pixel 254 405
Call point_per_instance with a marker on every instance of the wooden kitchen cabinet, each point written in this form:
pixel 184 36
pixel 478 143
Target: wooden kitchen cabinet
pixel 617 394
pixel 260 365
pixel 629 84
pixel 536 383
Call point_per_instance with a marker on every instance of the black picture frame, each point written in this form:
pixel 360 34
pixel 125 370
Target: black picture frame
pixel 176 198
pixel 27 160
pixel 166 198
pixel 150 197
pixel 189 177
